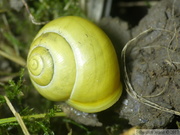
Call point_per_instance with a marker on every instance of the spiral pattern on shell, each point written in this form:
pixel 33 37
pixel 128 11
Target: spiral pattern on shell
pixel 41 66
pixel 72 60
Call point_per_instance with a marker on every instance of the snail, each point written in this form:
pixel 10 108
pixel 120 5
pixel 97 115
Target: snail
pixel 72 60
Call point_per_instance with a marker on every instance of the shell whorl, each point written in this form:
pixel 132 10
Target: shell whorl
pixel 41 66
pixel 52 66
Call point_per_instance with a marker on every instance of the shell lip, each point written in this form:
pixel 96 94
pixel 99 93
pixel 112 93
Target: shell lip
pixel 99 106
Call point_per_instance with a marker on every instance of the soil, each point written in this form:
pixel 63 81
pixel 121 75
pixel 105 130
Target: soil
pixel 153 62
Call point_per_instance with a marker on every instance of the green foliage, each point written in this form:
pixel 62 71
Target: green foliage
pixel 35 123
pixel 13 89
pixel 40 126
pixel 17 28
pixel 45 10
pixel 77 125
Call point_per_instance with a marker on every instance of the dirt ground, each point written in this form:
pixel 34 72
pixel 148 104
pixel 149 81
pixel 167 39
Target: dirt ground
pixel 153 67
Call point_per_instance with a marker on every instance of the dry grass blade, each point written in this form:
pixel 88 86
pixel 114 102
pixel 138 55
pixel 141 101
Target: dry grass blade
pixel 17 59
pixel 18 117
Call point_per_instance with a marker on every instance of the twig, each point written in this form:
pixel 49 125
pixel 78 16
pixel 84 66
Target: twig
pixel 31 16
pixel 18 117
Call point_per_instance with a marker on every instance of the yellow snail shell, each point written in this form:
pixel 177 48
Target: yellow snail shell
pixel 73 60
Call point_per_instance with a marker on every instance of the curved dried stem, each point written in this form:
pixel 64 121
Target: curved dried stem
pixel 161 92
pixel 129 88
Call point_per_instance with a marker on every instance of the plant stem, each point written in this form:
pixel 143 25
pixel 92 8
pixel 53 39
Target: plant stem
pixel 35 116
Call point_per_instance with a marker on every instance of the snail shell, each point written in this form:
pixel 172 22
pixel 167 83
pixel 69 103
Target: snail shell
pixel 72 60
